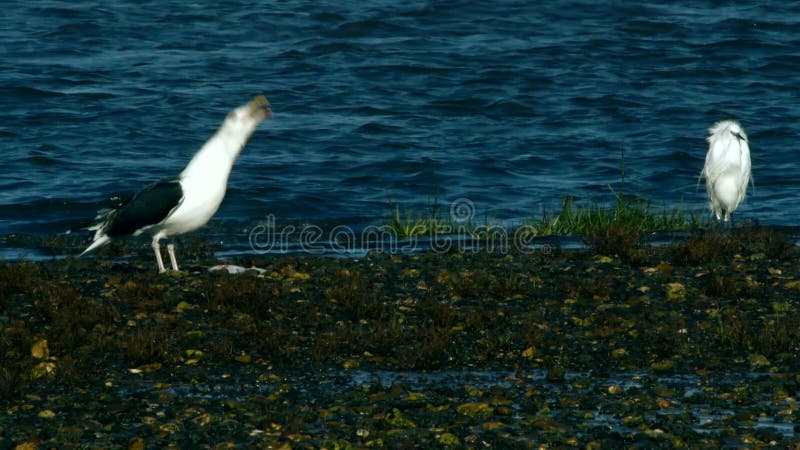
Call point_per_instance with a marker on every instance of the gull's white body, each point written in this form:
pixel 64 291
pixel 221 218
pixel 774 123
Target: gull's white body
pixel 205 178
pixel 727 168
pixel 202 186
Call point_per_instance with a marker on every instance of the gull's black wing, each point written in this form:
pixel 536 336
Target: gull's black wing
pixel 149 206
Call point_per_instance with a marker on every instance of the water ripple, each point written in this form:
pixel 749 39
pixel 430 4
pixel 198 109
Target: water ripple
pixel 511 103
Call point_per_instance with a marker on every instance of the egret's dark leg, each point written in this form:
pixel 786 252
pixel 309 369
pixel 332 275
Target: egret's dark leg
pixel 728 221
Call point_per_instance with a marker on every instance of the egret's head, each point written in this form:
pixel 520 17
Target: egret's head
pixel 246 118
pixel 726 128
pixel 736 130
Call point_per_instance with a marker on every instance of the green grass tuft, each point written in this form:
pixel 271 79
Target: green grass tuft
pixel 432 222
pixel 632 213
pixel 406 224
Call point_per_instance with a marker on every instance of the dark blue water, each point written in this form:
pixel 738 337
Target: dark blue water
pixel 511 104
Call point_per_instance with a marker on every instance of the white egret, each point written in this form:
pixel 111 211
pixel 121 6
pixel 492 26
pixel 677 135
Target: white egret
pixel 727 168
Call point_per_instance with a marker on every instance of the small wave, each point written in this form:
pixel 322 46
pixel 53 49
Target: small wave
pixel 21 93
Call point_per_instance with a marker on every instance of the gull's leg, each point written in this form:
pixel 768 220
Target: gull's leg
pixel 159 261
pixel 172 260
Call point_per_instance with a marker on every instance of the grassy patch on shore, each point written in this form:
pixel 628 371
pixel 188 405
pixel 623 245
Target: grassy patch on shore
pixel 433 221
pixel 634 214
pixel 407 224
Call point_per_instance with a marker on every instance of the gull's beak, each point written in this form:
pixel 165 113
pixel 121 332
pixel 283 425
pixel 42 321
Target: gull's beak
pixel 259 105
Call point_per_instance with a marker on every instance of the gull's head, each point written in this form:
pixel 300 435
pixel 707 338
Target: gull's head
pixel 246 118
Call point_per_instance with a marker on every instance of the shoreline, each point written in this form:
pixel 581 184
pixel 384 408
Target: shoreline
pixel 572 347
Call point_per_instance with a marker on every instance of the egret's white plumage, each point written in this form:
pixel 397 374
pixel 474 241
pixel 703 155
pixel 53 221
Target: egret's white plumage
pixel 727 168
pixel 186 203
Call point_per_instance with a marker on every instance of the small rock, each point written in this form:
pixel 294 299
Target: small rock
pixel 46 414
pixel 43 369
pixel 39 349
pixel 448 439
pixel 676 291
pixel 475 409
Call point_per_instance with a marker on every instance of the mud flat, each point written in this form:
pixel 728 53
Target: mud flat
pixel 691 345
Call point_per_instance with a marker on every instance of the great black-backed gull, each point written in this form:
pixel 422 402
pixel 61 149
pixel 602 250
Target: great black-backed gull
pixel 183 204
pixel 727 168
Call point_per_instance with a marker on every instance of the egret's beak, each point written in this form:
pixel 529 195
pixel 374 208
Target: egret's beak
pixel 739 136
